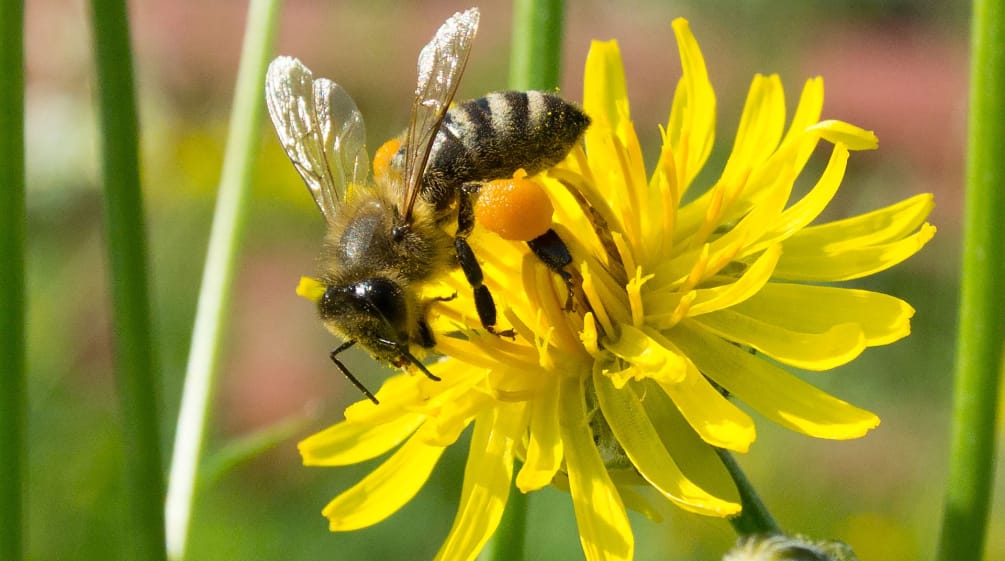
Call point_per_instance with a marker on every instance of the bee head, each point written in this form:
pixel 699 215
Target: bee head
pixel 374 309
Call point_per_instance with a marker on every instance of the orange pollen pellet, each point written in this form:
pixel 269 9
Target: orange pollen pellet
pixel 516 208
pixel 382 157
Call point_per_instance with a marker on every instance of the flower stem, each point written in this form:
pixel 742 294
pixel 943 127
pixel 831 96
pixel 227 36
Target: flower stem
pixel 13 398
pixel 754 519
pixel 134 362
pixel 218 274
pixel 535 63
pixel 982 306
pixel 536 53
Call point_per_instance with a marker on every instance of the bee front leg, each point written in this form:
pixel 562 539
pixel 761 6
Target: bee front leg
pixel 345 371
pixel 484 303
pixel 425 332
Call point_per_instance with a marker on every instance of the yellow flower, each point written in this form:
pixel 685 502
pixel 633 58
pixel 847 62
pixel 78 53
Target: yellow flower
pixel 677 309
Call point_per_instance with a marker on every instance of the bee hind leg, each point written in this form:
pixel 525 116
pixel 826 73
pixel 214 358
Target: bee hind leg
pixel 484 303
pixel 553 252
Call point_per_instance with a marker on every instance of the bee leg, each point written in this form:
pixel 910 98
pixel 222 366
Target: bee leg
pixel 553 252
pixel 426 338
pixel 484 303
pixel 345 371
pixel 409 357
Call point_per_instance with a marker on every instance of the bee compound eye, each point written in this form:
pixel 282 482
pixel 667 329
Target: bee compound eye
pixel 380 299
pixel 332 303
pixel 384 297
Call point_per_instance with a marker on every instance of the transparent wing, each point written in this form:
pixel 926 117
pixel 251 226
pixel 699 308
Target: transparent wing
pixel 320 129
pixel 342 132
pixel 441 64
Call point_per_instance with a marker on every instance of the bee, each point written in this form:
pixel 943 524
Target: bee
pixel 389 237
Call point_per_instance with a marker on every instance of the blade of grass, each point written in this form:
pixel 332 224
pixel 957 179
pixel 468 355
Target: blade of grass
pixel 218 274
pixel 979 346
pixel 535 64
pixel 134 363
pixel 13 398
pixel 250 446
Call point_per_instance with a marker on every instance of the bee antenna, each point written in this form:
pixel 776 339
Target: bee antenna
pixel 345 371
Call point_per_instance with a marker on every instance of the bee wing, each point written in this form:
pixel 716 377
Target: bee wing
pixel 343 133
pixel 320 129
pixel 441 63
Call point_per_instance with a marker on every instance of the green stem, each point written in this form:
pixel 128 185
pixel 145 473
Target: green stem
pixel 982 292
pixel 535 64
pixel 218 274
pixel 536 53
pixel 754 519
pixel 13 398
pixel 134 361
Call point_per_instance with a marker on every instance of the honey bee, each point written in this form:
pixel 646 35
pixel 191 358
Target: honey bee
pixel 389 237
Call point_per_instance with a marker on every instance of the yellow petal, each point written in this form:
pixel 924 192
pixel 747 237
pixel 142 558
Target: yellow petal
pixel 350 443
pixel 384 490
pixel 691 127
pixel 310 289
pixel 695 458
pixel 487 478
pixel 754 217
pixel 840 132
pixel 635 433
pixel 725 296
pixel 712 416
pixel 649 358
pixel 832 263
pixel 773 392
pixel 444 428
pixel 604 529
pixel 760 130
pixel 544 446
pixel 883 319
pixel 880 226
pixel 411 392
pixel 811 102
pixel 810 206
pixel 604 86
pixel 813 351
pixel 664 198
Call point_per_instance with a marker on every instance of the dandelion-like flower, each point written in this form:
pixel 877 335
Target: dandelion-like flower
pixel 677 310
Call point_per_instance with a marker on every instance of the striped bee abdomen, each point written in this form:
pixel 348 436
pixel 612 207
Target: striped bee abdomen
pixel 492 137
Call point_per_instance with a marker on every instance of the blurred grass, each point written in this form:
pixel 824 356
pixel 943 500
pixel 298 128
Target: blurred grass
pixel 13 394
pixel 127 257
pixel 275 361
pixel 217 287
pixel 981 335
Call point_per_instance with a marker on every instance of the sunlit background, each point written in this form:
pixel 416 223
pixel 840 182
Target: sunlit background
pixel 897 67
